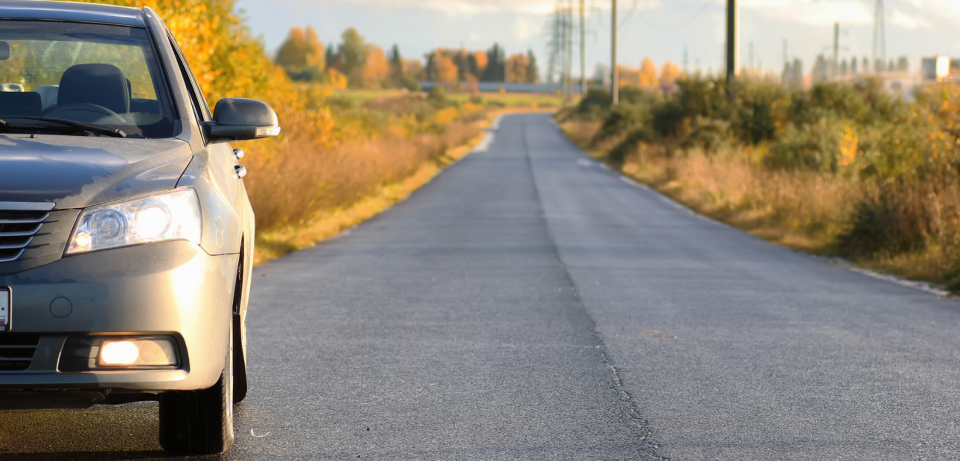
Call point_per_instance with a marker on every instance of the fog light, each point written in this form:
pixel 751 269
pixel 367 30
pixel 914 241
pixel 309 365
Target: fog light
pixel 119 353
pixel 150 352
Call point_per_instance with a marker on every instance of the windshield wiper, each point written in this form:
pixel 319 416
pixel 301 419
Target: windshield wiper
pixel 94 128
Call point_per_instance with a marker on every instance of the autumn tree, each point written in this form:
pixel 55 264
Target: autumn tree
pixel 648 73
pixel 302 54
pixel 351 56
pixel 375 70
pixel 517 68
pixel 413 68
pixel 480 59
pixel 669 73
pixel 444 69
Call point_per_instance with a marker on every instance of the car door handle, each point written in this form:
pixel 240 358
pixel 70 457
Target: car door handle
pixel 241 170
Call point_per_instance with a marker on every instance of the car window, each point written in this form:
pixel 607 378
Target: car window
pixel 93 73
pixel 199 101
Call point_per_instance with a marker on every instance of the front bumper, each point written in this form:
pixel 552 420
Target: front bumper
pixel 173 289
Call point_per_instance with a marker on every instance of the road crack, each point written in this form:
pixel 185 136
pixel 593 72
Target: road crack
pixel 648 446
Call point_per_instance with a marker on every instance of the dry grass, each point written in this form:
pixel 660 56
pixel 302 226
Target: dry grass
pixel 288 187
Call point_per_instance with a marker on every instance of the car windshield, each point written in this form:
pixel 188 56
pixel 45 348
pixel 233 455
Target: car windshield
pixel 93 73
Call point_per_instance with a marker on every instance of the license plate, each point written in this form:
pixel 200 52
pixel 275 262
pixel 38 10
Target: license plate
pixel 5 309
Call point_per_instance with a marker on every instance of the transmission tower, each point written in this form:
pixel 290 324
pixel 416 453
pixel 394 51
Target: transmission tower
pixel 879 35
pixel 555 46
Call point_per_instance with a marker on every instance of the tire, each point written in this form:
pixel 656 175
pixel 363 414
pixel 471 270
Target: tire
pixel 239 333
pixel 239 359
pixel 200 422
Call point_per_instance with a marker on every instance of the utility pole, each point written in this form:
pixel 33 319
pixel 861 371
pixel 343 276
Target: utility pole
pixel 564 76
pixel 751 57
pixel 583 53
pixel 615 73
pixel 835 71
pixel 879 34
pixel 733 46
pixel 686 68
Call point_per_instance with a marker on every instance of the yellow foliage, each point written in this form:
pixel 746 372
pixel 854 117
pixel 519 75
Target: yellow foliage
pixel 446 69
pixel 469 107
pixel 447 115
pixel 481 58
pixel 669 73
pixel 648 73
pixel 335 79
pixel 517 68
pixel 376 69
pixel 848 147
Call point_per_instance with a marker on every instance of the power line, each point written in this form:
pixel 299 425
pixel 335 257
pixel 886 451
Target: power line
pixel 683 24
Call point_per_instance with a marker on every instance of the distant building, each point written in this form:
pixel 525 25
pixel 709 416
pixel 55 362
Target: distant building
pixel 935 68
pixel 821 70
pixel 792 76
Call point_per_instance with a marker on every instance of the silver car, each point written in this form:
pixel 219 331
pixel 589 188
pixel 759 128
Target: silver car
pixel 126 235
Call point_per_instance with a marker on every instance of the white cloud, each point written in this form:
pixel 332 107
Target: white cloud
pixel 522 29
pixel 811 13
pixel 907 21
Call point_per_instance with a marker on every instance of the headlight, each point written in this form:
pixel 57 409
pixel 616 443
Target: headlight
pixel 170 216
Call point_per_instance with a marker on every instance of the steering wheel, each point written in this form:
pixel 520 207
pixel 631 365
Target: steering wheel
pixel 86 112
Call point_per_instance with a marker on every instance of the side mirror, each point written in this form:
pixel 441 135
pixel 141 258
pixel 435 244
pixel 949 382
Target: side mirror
pixel 237 119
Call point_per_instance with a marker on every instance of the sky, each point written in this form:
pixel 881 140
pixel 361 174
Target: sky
pixel 659 29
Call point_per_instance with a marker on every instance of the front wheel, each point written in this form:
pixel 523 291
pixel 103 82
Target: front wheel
pixel 200 422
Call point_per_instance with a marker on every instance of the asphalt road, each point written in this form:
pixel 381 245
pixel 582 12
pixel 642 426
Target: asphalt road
pixel 529 304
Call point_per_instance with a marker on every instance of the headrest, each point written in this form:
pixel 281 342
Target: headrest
pixel 20 104
pixel 100 84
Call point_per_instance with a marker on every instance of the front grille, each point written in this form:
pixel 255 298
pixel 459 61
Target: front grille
pixel 17 350
pixel 17 229
pixel 32 234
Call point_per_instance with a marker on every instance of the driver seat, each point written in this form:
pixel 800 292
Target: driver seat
pixel 100 84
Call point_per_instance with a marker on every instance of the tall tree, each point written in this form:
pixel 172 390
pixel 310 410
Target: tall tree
pixel 352 53
pixel 533 72
pixel 496 65
pixel 396 66
pixel 302 54
pixel 517 68
pixel 375 70
pixel 293 51
pixel 669 73
pixel 446 70
pixel 648 73
pixel 315 56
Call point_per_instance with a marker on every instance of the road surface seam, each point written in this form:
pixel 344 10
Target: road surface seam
pixel 647 446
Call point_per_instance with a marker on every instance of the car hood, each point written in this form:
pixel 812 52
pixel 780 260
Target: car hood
pixel 76 172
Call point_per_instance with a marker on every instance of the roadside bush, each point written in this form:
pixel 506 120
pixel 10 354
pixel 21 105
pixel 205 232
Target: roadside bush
pixel 595 104
pixel 842 167
pixel 624 120
pixel 707 134
pixel 809 146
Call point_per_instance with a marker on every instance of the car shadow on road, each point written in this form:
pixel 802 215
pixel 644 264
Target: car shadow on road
pixel 85 455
